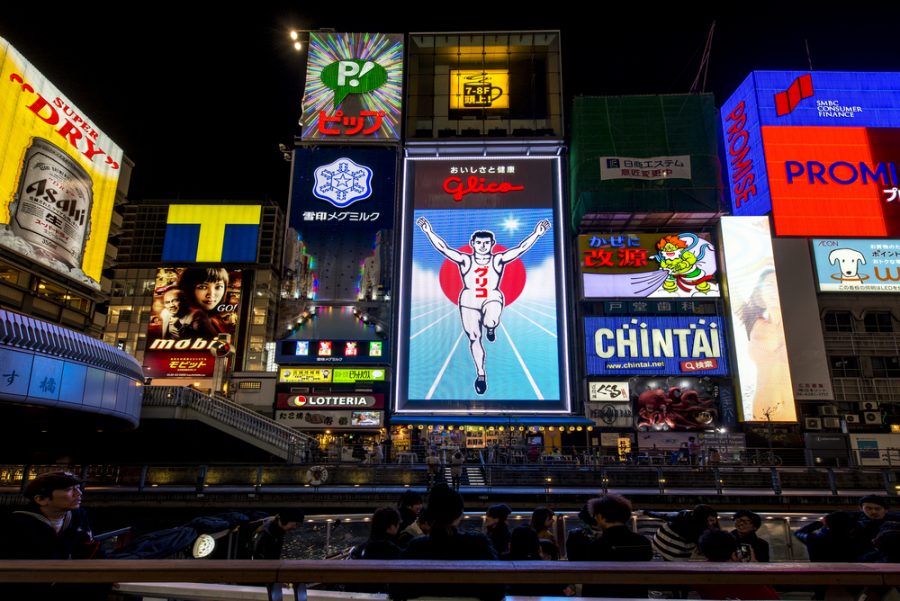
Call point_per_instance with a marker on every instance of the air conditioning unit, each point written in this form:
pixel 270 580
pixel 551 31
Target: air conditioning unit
pixel 828 410
pixel 852 418
pixel 868 406
pixel 872 418
pixel 831 422
pixel 812 423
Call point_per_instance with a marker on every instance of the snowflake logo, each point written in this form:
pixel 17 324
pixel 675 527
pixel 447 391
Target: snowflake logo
pixel 342 182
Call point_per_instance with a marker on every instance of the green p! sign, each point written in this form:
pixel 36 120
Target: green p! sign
pixel 353 76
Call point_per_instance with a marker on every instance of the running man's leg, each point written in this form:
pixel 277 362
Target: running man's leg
pixel 491 318
pixel 471 323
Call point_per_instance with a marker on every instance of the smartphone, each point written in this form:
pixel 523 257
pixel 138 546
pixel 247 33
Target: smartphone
pixel 744 552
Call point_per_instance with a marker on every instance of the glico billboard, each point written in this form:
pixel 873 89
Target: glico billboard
pixel 482 311
pixel 818 150
pixel 354 84
pixel 191 307
pixel 58 175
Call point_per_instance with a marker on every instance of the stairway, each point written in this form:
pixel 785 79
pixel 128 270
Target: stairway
pixel 173 402
pixel 471 476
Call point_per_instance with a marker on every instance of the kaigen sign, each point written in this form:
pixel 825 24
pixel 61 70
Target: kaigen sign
pixel 850 265
pixel 818 150
pixel 756 321
pixel 191 308
pixel 354 84
pixel 655 346
pixel 482 315
pixel 622 265
pixel 58 175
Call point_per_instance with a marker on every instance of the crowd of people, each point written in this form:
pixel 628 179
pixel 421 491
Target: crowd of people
pixel 54 526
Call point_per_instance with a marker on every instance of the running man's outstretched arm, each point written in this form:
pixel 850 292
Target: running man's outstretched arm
pixel 438 243
pixel 514 253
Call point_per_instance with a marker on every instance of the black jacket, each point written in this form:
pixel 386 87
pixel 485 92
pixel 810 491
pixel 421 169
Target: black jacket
pixel 472 546
pixel 760 546
pixel 618 544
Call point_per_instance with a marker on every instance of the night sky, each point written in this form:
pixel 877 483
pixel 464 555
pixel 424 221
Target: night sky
pixel 200 97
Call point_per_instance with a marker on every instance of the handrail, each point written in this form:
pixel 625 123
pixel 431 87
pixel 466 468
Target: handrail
pixel 290 441
pixel 438 572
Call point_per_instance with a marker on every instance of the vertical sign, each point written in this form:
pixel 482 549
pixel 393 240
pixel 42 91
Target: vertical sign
pixel 759 343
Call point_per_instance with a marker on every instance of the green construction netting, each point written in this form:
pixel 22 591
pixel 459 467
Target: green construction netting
pixel 644 126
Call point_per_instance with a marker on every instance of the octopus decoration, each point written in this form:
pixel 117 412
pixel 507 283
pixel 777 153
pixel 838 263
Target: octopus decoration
pixel 675 409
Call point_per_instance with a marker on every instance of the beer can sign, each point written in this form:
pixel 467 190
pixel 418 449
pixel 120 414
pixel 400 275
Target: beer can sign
pixel 52 206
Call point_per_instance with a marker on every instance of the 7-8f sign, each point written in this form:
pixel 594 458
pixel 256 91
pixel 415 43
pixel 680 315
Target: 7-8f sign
pixel 608 391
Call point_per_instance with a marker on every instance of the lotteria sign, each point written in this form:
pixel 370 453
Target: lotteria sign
pixel 655 346
pixel 820 151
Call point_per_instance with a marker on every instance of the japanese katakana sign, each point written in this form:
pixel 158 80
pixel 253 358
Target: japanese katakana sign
pixel 621 265
pixel 354 84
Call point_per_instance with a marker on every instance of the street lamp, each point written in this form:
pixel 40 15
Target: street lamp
pixel 294 34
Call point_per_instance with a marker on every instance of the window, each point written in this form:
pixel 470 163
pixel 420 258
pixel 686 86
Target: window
pixel 878 321
pixel 886 367
pixel 250 385
pixel 838 321
pixel 844 366
pixel 259 316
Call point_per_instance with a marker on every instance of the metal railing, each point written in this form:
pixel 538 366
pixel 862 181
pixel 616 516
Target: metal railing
pixel 292 445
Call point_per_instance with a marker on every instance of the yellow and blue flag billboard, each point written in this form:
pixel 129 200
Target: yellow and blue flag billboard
pixel 211 234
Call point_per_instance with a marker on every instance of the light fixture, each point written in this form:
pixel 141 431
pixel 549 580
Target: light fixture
pixel 203 546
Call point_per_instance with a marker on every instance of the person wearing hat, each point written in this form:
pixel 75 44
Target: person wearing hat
pixel 52 526
pixel 268 540
pixel 445 541
pixel 495 526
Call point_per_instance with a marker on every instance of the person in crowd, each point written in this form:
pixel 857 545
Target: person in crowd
pixel 887 548
pixel 682 455
pixel 873 513
pixel 204 287
pixel 542 523
pixel 713 458
pixel 421 527
pixel 578 540
pixel 382 541
pixel 496 528
pixel 837 540
pixel 268 540
pixel 446 542
pixel 525 545
pixel 746 523
pixel 409 505
pixel 720 546
pixel 456 468
pixel 618 543
pixel 52 526
pixel 381 544
pixel 434 467
pixel 693 451
pixel 676 540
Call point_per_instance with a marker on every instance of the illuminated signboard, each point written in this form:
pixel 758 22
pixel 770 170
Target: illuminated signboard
pixel 329 401
pixel 482 316
pixel 655 345
pixel 847 265
pixel 343 188
pixel 333 351
pixel 352 376
pixel 760 348
pixel 621 265
pixel 608 391
pixel 818 150
pixel 191 307
pixel 353 87
pixel 646 168
pixel 329 419
pixel 479 89
pixel 60 221
pixel 610 414
pixel 305 375
pixel 211 233
pixel 676 403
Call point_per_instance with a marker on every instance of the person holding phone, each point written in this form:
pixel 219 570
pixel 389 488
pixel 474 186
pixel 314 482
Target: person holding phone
pixel 746 523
